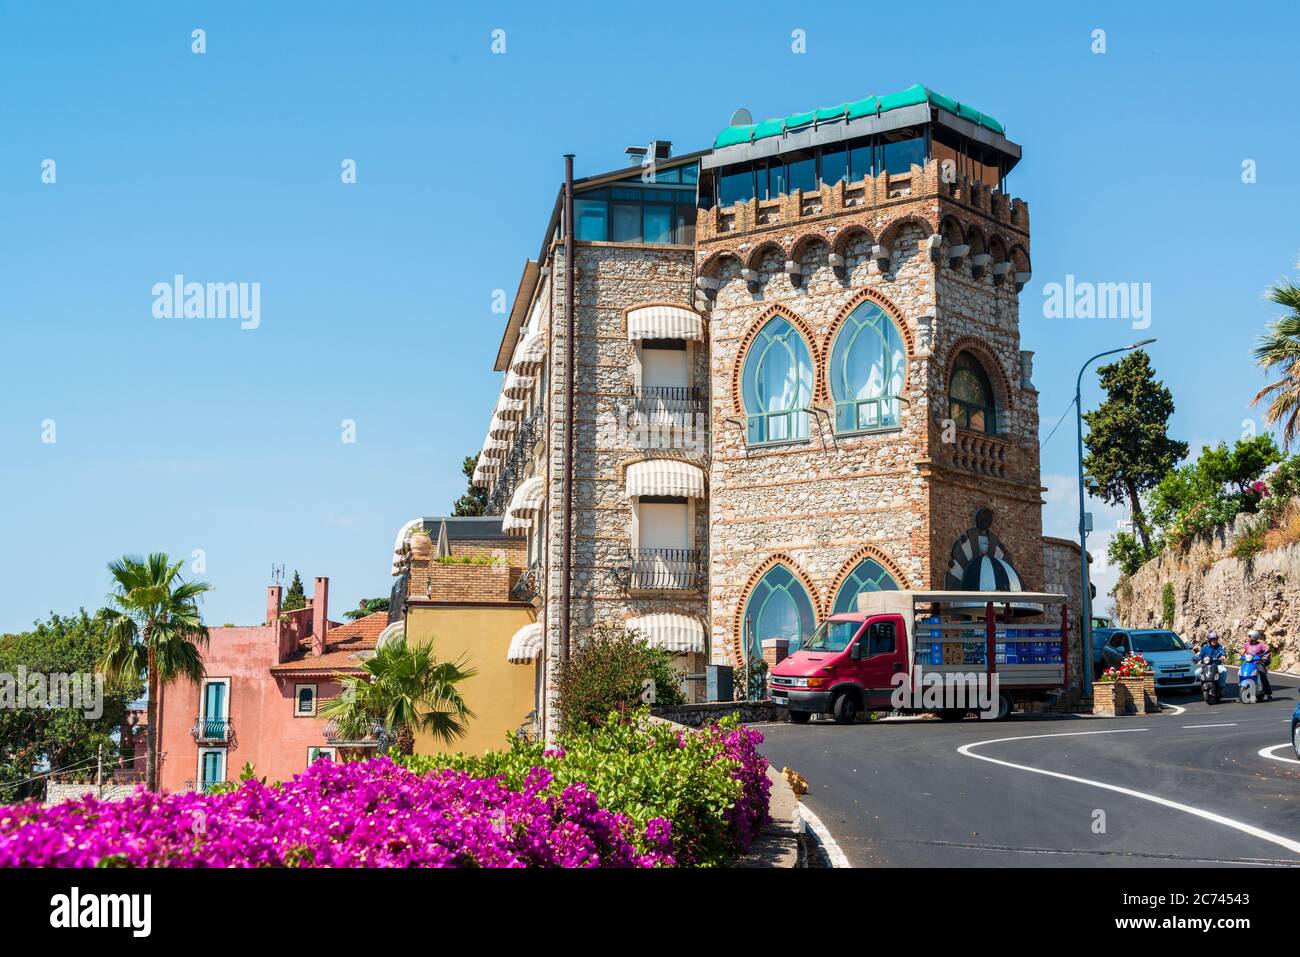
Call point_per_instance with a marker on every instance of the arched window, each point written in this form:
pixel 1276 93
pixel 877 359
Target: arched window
pixel 868 371
pixel 970 396
pixel 777 384
pixel 869 575
pixel 778 607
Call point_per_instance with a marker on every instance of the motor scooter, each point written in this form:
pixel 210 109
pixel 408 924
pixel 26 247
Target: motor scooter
pixel 1212 676
pixel 1248 679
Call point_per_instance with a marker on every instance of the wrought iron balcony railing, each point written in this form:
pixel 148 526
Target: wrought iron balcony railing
pixel 201 787
pixel 668 403
pixel 529 585
pixel 374 738
pixel 666 568
pixel 211 729
pixel 516 463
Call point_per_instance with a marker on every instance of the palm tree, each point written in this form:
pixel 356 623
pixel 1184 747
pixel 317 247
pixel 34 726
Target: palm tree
pixel 154 630
pixel 403 690
pixel 1280 346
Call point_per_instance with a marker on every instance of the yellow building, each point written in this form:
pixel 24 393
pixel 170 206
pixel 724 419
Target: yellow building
pixel 466 589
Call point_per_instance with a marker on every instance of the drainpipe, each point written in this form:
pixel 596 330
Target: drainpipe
pixel 570 362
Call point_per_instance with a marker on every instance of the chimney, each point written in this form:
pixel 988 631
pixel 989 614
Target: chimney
pixel 320 606
pixel 274 597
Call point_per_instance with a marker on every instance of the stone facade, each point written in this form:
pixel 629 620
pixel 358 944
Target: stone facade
pixel 901 496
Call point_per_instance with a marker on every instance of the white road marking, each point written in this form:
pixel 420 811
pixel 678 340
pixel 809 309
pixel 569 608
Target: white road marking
pixel 1291 845
pixel 832 849
pixel 1268 753
pixel 1230 724
pixel 1177 708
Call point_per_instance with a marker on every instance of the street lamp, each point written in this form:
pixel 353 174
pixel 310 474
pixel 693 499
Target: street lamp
pixel 1085 629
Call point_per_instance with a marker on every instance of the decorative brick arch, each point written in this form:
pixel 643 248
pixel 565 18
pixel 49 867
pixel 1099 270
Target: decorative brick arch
pixel 992 365
pixel 856 559
pixel 810 340
pixel 828 341
pixel 847 235
pixel 641 305
pixel 890 233
pixel 738 619
pixel 803 243
pixel 755 257
pixel 716 259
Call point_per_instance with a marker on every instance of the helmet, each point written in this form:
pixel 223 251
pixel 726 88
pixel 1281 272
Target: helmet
pixel 1212 636
pixel 1253 635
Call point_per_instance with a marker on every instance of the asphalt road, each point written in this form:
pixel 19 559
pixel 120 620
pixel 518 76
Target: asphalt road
pixel 1164 790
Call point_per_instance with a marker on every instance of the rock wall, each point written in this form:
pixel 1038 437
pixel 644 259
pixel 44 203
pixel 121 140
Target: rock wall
pixel 1214 591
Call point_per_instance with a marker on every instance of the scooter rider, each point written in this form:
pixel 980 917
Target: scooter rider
pixel 1257 646
pixel 1215 651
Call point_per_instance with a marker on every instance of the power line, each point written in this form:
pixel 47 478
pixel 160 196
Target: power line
pixel 1057 426
pixel 46 774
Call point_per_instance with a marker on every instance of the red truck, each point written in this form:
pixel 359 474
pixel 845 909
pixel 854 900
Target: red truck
pixel 943 652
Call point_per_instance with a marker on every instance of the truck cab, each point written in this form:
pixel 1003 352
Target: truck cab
pixel 847 666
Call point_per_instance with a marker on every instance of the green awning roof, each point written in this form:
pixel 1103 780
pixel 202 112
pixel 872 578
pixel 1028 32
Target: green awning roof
pixel 870 106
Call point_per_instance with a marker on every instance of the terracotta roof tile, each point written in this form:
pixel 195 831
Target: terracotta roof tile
pixel 342 644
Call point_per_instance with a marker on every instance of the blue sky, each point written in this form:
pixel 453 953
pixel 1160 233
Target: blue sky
pixel 179 434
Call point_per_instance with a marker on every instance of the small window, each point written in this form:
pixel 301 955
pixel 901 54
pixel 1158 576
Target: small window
pixel 970 396
pixel 835 164
pixel 305 700
pixel 590 220
pixel 736 186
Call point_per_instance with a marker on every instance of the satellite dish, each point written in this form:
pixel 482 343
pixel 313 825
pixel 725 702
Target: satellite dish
pixel 741 117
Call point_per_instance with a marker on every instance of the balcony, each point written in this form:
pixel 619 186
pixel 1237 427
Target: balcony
pixel 211 729
pixel 529 585
pixel 516 462
pixel 659 569
pixel 375 737
pixel 663 417
pixel 200 787
pixel 668 403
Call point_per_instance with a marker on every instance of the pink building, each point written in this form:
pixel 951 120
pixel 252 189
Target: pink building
pixel 261 698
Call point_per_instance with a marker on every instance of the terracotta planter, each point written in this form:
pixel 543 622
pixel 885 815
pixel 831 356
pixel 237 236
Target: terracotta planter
pixel 1120 698
pixel 421 547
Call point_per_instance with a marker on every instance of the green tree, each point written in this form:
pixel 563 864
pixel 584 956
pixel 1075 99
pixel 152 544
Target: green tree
pixel 295 597
pixel 36 738
pixel 153 630
pixel 368 607
pixel 1129 450
pixel 403 690
pixel 1210 491
pixel 474 501
pixel 1280 347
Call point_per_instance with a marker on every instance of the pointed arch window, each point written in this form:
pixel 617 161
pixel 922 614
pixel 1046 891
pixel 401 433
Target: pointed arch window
pixel 868 371
pixel 778 607
pixel 868 575
pixel 970 396
pixel 777 384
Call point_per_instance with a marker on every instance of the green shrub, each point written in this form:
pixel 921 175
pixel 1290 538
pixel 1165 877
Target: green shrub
pixel 1126 552
pixel 1167 607
pixel 1251 541
pixel 640 768
pixel 613 671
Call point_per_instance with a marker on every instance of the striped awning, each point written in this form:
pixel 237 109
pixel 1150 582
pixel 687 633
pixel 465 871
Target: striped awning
pixel 664 322
pixel 396 631
pixel 670 631
pixel 399 546
pixel 529 354
pixel 517 386
pixel 665 477
pixel 508 408
pixel 524 504
pixel 526 645
pixel 500 428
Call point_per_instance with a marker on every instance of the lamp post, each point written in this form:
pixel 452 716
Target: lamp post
pixel 1085 621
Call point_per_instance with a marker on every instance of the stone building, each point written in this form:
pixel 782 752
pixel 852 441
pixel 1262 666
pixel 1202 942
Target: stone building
pixel 797 375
